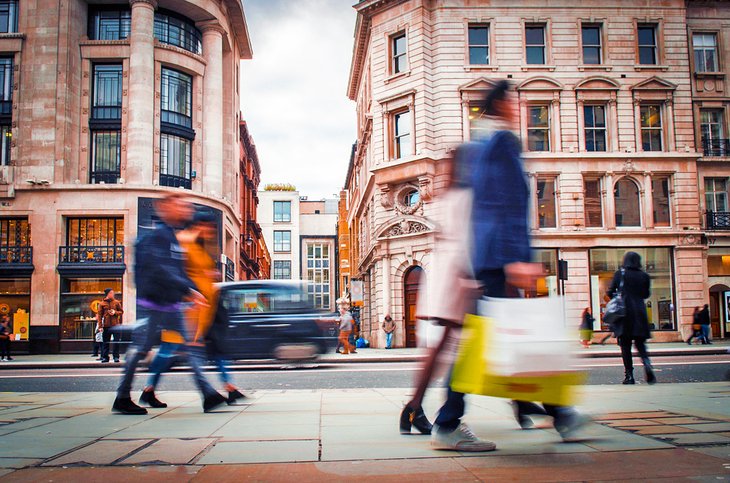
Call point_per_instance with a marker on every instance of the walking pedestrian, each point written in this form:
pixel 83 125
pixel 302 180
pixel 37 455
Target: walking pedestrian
pixel 5 333
pixel 696 329
pixel 586 327
pixel 703 317
pixel 389 329
pixel 162 289
pixel 108 316
pixel 635 287
pixel 500 253
pixel 346 325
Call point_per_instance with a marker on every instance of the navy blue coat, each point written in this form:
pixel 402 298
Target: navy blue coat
pixel 501 200
pixel 159 268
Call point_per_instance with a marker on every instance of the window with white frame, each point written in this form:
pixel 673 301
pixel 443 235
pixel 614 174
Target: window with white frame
pixel 591 40
pixel 282 211
pixel 535 44
pixel 402 141
pixel 594 120
pixel 398 53
pixel 318 273
pixel 478 44
pixel 538 127
pixel 651 127
pixel 716 194
pixel 705 51
pixel 712 130
pixel 546 202
pixel 282 241
pixel 282 269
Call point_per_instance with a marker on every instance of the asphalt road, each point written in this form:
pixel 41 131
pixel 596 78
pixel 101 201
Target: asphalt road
pixel 678 369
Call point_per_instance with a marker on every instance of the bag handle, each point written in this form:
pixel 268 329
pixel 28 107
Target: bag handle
pixel 621 284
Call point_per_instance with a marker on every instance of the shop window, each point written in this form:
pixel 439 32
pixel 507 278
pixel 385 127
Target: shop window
pixel 546 204
pixel 657 262
pixel 718 265
pixel 593 204
pixel 627 203
pixel 548 285
pixel 318 274
pixel 15 299
pixel 660 194
pixel 80 298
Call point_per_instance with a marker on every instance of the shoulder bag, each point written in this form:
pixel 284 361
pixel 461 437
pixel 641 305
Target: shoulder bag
pixel 616 307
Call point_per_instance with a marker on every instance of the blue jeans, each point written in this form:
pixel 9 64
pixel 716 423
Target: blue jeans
pixel 705 329
pixel 388 340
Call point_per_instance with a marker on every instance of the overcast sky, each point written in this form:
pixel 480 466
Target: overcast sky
pixel 294 91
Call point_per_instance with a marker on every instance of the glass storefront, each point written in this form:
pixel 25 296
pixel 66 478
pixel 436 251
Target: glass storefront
pixel 80 299
pixel 547 286
pixel 15 297
pixel 657 262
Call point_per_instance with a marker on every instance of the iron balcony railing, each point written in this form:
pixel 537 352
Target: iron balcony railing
pixel 16 254
pixel 175 181
pixel 716 147
pixel 717 220
pixel 106 113
pixel 6 107
pixel 91 254
pixel 108 177
pixel 176 118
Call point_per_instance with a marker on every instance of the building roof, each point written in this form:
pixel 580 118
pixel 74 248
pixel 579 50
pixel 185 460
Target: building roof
pixel 351 165
pixel 240 29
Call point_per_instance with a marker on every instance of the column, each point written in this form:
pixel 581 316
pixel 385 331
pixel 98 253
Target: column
pixel 556 143
pixel 386 285
pixel 648 202
pixel 610 210
pixel 581 125
pixel 140 117
pixel 613 132
pixel 671 139
pixel 213 108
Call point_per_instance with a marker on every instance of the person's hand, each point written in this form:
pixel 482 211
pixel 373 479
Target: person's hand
pixel 112 312
pixel 198 298
pixel 524 275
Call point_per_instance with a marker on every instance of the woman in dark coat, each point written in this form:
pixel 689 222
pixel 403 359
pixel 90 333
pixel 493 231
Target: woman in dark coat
pixel 634 327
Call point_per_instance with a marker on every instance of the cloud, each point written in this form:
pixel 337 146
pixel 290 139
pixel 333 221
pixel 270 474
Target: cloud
pixel 293 91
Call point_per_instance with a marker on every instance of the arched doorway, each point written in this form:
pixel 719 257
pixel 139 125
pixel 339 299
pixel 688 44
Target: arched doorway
pixel 411 280
pixel 718 309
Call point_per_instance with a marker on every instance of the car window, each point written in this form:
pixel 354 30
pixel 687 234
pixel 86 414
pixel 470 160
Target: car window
pixel 252 300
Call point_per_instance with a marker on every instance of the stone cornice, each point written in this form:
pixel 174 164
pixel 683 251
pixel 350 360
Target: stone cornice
pixel 151 3
pixel 211 26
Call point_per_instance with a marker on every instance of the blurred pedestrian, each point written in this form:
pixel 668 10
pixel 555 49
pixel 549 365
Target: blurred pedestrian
pixel 500 254
pixel 346 325
pixel 696 329
pixel 98 340
pixel 703 318
pixel 586 327
pixel 389 329
pixel 108 316
pixel 162 289
pixel 635 287
pixel 5 332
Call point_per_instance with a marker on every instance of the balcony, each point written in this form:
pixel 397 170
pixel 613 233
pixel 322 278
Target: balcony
pixel 716 147
pixel 175 181
pixel 80 260
pixel 107 177
pixel 16 255
pixel 717 220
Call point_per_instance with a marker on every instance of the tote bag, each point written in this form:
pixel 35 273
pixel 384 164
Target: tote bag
pixel 518 349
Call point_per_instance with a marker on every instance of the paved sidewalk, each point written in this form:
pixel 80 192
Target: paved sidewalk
pixel 39 361
pixel 666 431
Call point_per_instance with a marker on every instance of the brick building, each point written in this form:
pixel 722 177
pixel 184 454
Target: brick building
pixel 104 107
pixel 606 122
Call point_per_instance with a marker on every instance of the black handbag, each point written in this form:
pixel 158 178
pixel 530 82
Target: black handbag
pixel 616 307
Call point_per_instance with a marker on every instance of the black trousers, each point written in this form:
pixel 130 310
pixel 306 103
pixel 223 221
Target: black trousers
pixel 5 347
pixel 628 358
pixel 106 337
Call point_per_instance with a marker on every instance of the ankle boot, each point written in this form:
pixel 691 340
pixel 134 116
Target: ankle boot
pixel 629 377
pixel 149 398
pixel 414 417
pixel 233 396
pixel 650 377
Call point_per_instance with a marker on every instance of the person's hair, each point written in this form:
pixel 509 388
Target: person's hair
pixel 496 94
pixel 388 317
pixel 707 306
pixel 697 309
pixel 632 260
pixel 586 310
pixel 107 290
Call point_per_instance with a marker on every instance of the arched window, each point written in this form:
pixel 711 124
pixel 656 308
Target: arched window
pixel 628 205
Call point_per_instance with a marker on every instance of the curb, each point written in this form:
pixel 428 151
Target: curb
pixel 266 364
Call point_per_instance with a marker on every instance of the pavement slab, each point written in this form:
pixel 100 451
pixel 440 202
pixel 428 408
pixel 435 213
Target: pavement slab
pixel 99 453
pixel 157 474
pixel 40 447
pixel 169 451
pixel 694 438
pixel 17 463
pixel 261 452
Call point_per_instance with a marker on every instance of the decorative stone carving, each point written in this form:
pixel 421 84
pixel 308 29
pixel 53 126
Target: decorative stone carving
pixel 406 227
pixel 629 166
pixel 386 197
pixel 691 239
pixel 425 188
pixel 400 205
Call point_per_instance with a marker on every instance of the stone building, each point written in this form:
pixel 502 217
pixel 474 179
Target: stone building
pixel 708 26
pixel 606 122
pixel 105 106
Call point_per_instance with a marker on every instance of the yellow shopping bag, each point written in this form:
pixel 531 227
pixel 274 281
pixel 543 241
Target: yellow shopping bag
pixel 474 374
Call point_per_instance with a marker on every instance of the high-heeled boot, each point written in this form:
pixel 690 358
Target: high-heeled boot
pixel 414 417
pixel 629 377
pixel 649 370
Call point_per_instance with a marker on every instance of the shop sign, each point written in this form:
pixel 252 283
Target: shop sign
pixel 21 324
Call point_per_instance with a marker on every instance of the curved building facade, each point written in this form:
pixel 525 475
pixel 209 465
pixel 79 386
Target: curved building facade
pixel 105 107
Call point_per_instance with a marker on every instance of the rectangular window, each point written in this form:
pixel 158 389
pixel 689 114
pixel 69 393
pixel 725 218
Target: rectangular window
pixel 716 194
pixel 651 127
pixel 646 34
pixel 176 98
pixel 282 270
pixel 282 211
pixel 15 241
pixel 107 24
pixel 477 129
pixel 593 203
pixel 402 145
pixel 591 39
pixel 603 263
pixel 547 286
pixel 478 44
pixel 538 128
pixel 175 161
pixel 535 44
pixel 546 205
pixel 6 85
pixel 318 274
pixel 106 154
pixel 282 241
pixel 106 102
pixel 662 207
pixel 594 118
pixel 90 232
pixel 712 129
pixel 399 53
pixel 705 49
pixel 8 16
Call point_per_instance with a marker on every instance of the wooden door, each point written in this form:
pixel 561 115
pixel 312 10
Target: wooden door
pixel 716 313
pixel 411 281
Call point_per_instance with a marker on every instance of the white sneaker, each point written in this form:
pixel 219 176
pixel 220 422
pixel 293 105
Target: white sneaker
pixel 461 439
pixel 570 432
pixel 4 359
